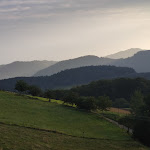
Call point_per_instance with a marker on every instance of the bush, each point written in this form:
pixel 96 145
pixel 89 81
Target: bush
pixel 87 103
pixel 70 98
pixel 121 103
pixel 21 86
pixel 49 94
pixel 142 131
pixel 103 103
pixel 127 121
pixel 35 91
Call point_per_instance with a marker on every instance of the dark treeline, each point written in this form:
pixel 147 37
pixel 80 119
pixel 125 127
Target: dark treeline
pixel 139 120
pixel 115 88
pixel 118 90
pixel 73 77
pixel 69 97
pixel 23 88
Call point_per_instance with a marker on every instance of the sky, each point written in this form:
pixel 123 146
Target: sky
pixel 64 29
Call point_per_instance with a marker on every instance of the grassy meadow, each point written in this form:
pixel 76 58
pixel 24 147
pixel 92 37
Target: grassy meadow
pixel 18 138
pixel 27 112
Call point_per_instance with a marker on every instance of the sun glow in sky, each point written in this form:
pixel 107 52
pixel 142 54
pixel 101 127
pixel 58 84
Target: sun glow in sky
pixel 63 29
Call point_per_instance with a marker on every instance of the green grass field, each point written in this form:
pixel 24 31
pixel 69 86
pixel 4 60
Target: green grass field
pixel 24 111
pixel 18 138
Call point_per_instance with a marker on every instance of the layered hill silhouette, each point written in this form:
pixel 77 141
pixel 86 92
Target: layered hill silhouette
pixel 18 68
pixel 124 54
pixel 74 63
pixel 74 77
pixel 139 62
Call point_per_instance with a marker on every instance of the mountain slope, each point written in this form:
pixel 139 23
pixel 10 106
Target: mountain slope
pixel 16 69
pixel 72 77
pixel 124 54
pixel 139 62
pixel 74 63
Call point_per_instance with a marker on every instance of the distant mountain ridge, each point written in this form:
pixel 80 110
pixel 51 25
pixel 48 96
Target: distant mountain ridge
pixel 89 60
pixel 124 54
pixel 139 62
pixel 25 69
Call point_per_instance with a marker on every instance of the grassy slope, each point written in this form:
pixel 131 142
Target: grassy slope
pixel 26 112
pixel 18 138
pixel 52 116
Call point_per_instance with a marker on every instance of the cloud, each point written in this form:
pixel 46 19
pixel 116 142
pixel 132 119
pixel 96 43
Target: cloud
pixel 14 11
pixel 69 27
pixel 28 8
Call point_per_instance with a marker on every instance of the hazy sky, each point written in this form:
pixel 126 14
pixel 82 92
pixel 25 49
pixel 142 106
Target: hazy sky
pixel 62 29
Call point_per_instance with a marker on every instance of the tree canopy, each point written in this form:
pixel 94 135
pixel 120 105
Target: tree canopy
pixel 21 86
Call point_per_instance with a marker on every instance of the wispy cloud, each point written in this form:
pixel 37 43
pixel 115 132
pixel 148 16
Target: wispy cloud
pixel 71 27
pixel 14 9
pixel 47 8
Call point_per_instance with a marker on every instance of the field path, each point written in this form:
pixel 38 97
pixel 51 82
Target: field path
pixel 119 125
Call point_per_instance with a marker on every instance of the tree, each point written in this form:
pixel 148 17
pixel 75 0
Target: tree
pixel 142 130
pixel 59 94
pixel 49 94
pixel 34 90
pixel 145 110
pixel 103 103
pixel 87 103
pixel 121 103
pixel 127 121
pixel 136 103
pixel 70 98
pixel 21 86
pixel 142 119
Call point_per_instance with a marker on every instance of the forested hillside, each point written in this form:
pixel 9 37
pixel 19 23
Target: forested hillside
pixel 74 63
pixel 70 78
pixel 139 62
pixel 115 88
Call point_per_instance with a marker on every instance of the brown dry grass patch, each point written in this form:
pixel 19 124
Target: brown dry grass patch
pixel 120 111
